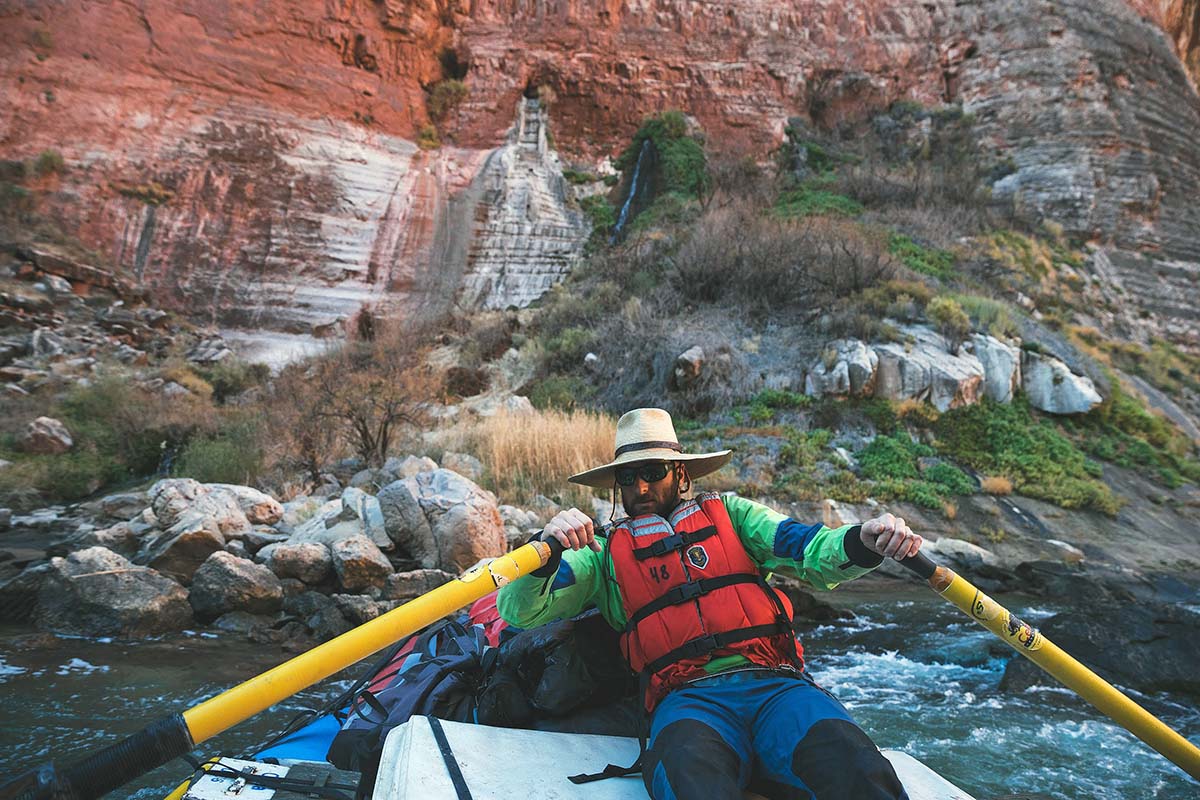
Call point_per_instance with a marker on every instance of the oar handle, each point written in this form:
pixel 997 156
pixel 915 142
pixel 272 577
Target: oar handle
pixel 101 772
pixel 920 564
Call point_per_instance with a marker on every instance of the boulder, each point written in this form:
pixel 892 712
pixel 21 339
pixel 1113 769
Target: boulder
pixel 1052 387
pixel 519 523
pixel 491 405
pixel 847 366
pixel 238 549
pixel 408 466
pixel 923 370
pixel 464 464
pixel 259 538
pixel 319 613
pixel 835 514
pixel 259 508
pixel 359 564
pixel 185 503
pixel 405 586
pixel 689 365
pixel 121 538
pixel 299 510
pixel 1001 367
pixel 180 551
pixel 227 583
pixel 310 562
pixel 405 523
pixel 45 436
pixel 465 520
pixel 124 506
pixel 19 594
pixel 96 592
pixel 959 553
pixel 1158 652
pixel 359 608
pixel 367 509
pixel 365 478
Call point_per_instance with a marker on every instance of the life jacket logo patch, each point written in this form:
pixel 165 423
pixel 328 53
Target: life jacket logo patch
pixel 698 556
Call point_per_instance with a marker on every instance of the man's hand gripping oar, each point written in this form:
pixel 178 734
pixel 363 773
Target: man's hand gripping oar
pixel 1037 648
pixel 174 736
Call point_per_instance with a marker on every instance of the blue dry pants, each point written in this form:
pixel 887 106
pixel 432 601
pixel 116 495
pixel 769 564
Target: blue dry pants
pixel 774 733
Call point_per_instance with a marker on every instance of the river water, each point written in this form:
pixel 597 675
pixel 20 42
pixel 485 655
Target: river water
pixel 916 674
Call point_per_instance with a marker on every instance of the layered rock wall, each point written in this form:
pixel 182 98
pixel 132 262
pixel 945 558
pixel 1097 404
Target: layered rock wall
pixel 256 166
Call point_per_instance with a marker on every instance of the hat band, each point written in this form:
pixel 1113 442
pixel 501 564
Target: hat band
pixel 676 446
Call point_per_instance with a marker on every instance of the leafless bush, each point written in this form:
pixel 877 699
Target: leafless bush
pixel 739 254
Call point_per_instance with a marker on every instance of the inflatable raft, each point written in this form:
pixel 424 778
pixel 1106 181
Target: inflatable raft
pixel 487 763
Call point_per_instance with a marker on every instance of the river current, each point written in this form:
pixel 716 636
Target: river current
pixel 916 674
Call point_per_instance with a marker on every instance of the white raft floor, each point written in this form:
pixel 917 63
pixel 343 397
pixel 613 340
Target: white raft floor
pixel 504 763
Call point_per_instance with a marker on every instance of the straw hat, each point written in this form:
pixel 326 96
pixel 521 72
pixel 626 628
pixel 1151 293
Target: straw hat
pixel 646 434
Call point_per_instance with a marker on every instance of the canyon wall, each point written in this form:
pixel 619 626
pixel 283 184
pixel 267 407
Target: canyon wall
pixel 257 165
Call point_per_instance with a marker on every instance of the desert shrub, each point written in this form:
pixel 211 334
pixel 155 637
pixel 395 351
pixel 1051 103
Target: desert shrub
pixel 465 381
pixel 560 392
pixel 951 321
pixel 530 454
pixel 997 485
pixel 950 478
pixel 1004 439
pixel 49 162
pixel 807 202
pixel 736 254
pixel 232 455
pixel 565 351
pixel 994 316
pixel 428 138
pixel 924 260
pixel 230 377
pixel 602 216
pixel 446 96
pixel 892 457
pixel 578 177
pixel 803 449
pixel 917 412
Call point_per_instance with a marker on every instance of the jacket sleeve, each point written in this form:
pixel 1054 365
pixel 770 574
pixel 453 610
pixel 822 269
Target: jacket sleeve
pixel 820 556
pixel 577 585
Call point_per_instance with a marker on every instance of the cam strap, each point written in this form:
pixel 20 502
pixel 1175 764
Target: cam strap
pixel 688 591
pixel 456 776
pixel 676 541
pixel 702 645
pixel 613 770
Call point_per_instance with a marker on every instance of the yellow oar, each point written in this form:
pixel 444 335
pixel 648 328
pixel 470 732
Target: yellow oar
pixel 1041 651
pixel 176 735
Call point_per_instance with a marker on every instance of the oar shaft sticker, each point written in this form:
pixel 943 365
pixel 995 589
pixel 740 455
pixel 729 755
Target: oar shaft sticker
pixel 1019 633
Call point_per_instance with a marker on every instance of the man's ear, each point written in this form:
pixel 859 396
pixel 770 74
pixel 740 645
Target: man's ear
pixel 685 480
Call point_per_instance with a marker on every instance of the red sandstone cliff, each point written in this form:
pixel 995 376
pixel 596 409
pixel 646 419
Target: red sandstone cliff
pixel 256 164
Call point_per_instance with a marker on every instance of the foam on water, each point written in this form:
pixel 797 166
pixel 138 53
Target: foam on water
pixel 8 670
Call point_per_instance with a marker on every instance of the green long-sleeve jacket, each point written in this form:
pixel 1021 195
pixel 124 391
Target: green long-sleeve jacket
pixel 822 557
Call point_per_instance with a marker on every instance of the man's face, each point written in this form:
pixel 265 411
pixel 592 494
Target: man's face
pixel 650 497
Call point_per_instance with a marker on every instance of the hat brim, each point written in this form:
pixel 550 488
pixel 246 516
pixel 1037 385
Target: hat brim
pixel 699 465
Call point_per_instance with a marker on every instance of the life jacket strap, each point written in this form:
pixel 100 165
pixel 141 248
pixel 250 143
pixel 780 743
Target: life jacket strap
pixel 702 645
pixel 676 541
pixel 688 591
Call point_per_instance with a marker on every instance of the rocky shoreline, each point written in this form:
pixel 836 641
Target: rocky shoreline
pixel 182 555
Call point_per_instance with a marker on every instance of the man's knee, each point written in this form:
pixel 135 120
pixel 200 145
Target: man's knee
pixel 687 760
pixel 837 761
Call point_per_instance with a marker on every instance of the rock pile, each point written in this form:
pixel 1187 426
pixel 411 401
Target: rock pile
pixel 235 557
pixel 921 368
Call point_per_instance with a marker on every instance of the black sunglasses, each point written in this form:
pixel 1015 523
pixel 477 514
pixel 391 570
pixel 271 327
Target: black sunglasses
pixel 651 472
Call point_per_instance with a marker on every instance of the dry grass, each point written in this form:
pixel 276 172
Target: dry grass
pixel 531 454
pixel 997 484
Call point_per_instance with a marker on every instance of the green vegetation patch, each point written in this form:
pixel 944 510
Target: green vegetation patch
pixel 224 457
pixel 924 260
pixel 808 201
pixel 681 157
pixel 1006 439
pixel 562 392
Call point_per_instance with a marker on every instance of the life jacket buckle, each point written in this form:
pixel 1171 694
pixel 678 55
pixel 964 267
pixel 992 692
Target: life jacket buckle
pixel 690 591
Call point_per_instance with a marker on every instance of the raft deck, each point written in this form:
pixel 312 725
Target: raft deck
pixel 503 763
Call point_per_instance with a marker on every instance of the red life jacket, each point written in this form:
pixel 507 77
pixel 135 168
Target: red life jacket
pixel 691 593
